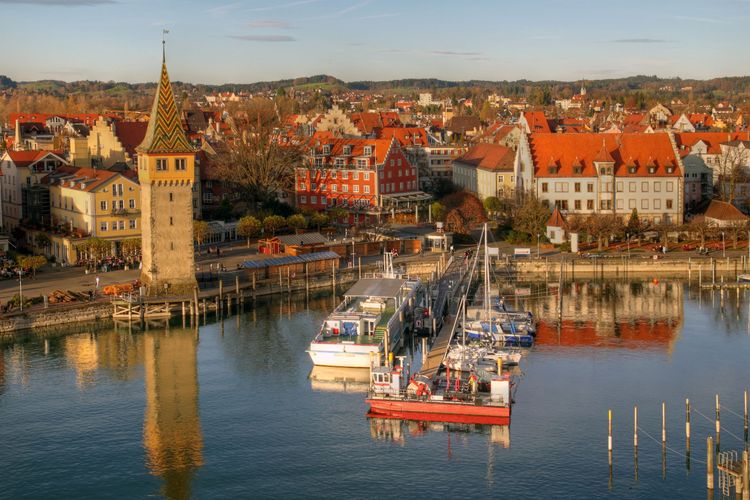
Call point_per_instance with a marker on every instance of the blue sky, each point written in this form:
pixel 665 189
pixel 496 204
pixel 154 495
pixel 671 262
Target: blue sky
pixel 251 40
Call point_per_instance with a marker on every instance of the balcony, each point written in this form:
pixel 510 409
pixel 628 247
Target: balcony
pixel 125 211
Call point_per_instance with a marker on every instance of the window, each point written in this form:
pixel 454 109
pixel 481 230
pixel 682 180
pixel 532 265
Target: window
pixel 631 203
pixel 669 204
pixel 545 187
pixel 657 204
pixel 313 200
pixel 179 164
pixel 132 223
pixel 398 162
pixel 345 175
pixel 303 199
pixel 393 163
pixel 332 174
pixel 171 221
pixel 644 187
pixel 302 186
pixel 326 149
pixel 619 204
pixel 367 189
pixel 121 204
pixel 132 203
pixel 590 188
pixel 657 187
pixel 651 170
pixel 333 188
pixel 400 186
pixel 344 188
pixel 631 187
pixel 355 176
pixel 669 187
pixel 577 170
pixel 355 188
pixel 103 204
pixel 632 169
pixel 368 150
pixel 366 176
pixel 318 162
pixel 103 226
pixel 619 187
pixel 339 162
pixel 606 204
pixel 161 164
pixel 577 187
pixel 322 200
pixel 577 204
pixel 644 204
pixel 381 175
pixel 171 197
pixel 122 224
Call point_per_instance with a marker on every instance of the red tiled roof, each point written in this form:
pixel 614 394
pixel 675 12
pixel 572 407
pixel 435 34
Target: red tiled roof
pixel 712 139
pixel 27 158
pixel 86 179
pixel 380 149
pixel 130 134
pixel 406 136
pixel 489 156
pixel 635 119
pixel 537 121
pixel 723 211
pixel 626 150
pixel 368 122
pixel 556 219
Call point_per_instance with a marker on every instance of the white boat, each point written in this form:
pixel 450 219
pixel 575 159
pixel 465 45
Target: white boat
pixel 377 312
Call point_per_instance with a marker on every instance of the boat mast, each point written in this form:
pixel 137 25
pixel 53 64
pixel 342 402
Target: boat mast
pixel 486 277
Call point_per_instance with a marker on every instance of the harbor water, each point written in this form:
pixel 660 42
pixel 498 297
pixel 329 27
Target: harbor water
pixel 230 409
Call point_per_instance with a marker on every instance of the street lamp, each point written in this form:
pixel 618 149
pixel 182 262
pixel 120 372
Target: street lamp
pixel 20 289
pixel 723 246
pixel 627 236
pixel 537 244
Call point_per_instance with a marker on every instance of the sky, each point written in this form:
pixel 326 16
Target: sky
pixel 246 41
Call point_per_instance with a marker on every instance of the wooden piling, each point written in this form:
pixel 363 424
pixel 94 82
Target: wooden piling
pixel 307 279
pixel 281 283
pixel 221 288
pixel 217 303
pixel 745 419
pixel 424 350
pixel 713 271
pixel 183 308
pixel 718 424
pixel 288 280
pixel 710 464
pixel 195 300
pixel 333 277
pixel 253 283
pixel 687 427
pixel 663 422
pixel 609 436
pixel 635 429
pixel 359 267
pixel 237 285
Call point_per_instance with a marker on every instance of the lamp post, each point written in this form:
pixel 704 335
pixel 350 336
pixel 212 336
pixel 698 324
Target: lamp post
pixel 537 244
pixel 723 246
pixel 627 237
pixel 20 289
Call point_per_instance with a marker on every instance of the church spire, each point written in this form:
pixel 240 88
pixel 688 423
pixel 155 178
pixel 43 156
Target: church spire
pixel 164 133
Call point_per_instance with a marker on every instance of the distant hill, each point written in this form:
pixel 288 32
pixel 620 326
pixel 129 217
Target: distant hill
pixel 733 85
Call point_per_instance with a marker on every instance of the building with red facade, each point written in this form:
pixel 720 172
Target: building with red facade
pixel 369 178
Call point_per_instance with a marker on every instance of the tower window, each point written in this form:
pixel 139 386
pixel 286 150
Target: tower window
pixel 171 197
pixel 171 221
pixel 171 245
pixel 180 164
pixel 161 164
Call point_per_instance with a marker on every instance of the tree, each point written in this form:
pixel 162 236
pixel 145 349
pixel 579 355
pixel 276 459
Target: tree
pixel 318 219
pixel 273 223
pixel 603 227
pixel 531 216
pixel 456 222
pixel 131 248
pixel 257 164
pixel 42 241
pixel 200 232
pixel 492 204
pixel 438 211
pixel 634 227
pixel 487 113
pixel 735 230
pixel 700 227
pixel 469 206
pixel 296 222
pixel 731 172
pixel 248 227
pixel 32 262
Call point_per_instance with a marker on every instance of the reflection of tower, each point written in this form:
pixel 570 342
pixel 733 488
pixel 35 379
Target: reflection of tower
pixel 82 354
pixel 171 430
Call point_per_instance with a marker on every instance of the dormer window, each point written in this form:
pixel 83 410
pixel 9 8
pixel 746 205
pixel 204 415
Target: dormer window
pixel 326 149
pixel 347 150
pixel 552 170
pixel 578 170
pixel 632 169
pixel 670 170
pixel 605 171
pixel 368 150
pixel 651 170
pixel 339 162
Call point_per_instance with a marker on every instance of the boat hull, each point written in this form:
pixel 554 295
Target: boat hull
pixel 438 411
pixel 342 359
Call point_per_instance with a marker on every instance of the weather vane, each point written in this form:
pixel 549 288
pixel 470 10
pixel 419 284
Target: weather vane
pixel 164 33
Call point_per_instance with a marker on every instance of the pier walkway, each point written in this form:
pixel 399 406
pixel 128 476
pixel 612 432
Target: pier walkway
pixel 450 284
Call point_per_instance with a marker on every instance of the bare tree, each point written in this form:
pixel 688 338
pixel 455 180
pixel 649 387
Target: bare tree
pixel 731 172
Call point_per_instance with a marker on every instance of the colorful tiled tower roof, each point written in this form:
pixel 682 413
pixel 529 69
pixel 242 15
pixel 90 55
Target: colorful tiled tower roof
pixel 164 133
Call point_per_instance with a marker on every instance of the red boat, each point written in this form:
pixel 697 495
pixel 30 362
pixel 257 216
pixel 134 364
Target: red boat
pixel 442 400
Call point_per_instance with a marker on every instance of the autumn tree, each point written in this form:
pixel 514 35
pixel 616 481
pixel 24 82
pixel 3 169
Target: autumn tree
pixel 531 216
pixel 463 212
pixel 296 222
pixel 32 262
pixel 318 219
pixel 200 232
pixel 256 163
pixel 603 228
pixel 698 226
pixel 131 248
pixel 273 223
pixel 438 211
pixel 492 204
pixel 248 227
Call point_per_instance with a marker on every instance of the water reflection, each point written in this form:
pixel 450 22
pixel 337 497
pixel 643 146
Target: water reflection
pixel 397 431
pixel 334 379
pixel 171 429
pixel 633 315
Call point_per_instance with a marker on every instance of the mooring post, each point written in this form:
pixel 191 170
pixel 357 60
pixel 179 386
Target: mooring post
pixel 237 285
pixel 690 270
pixel 359 266
pixel 745 419
pixel 663 423
pixel 253 283
pixel 635 429
pixel 687 428
pixel 424 350
pixel 710 464
pixel 718 424
pixel 333 277
pixel 281 283
pixel 700 275
pixel 288 280
pixel 195 300
pixel 609 436
pixel 182 302
pixel 713 271
pixel 221 288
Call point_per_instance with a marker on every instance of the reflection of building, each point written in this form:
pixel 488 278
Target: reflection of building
pixel 171 430
pixel 82 354
pixel 395 430
pixel 613 314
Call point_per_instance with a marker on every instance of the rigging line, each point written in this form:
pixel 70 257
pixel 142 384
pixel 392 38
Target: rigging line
pixel 722 430
pixel 668 447
pixel 724 408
